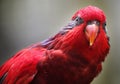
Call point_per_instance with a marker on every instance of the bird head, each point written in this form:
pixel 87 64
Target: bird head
pixel 92 21
pixel 87 25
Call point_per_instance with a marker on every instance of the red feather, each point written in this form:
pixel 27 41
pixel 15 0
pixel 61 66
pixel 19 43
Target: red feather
pixel 72 56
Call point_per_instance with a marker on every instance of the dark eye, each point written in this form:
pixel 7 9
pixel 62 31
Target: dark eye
pixel 104 26
pixel 78 20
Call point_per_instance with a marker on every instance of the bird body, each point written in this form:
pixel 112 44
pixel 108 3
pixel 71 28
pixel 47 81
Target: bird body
pixel 73 56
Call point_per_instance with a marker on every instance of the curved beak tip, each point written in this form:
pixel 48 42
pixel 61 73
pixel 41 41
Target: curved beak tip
pixel 91 43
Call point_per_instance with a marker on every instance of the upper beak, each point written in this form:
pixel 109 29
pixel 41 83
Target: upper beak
pixel 91 32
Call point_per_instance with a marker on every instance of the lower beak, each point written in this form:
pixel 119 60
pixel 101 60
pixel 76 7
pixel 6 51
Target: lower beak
pixel 91 32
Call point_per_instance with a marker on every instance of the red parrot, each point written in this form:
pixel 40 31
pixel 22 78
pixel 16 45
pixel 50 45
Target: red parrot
pixel 73 56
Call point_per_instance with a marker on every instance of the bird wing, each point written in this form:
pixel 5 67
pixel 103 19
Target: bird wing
pixel 21 68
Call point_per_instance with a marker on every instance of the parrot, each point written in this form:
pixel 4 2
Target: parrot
pixel 74 55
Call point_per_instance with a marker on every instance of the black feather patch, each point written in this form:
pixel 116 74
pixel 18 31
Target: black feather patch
pixel 2 78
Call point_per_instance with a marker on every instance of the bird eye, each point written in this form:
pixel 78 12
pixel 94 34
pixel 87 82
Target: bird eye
pixel 78 20
pixel 104 26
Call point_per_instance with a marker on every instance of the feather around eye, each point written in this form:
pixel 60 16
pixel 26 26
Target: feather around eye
pixel 78 20
pixel 105 27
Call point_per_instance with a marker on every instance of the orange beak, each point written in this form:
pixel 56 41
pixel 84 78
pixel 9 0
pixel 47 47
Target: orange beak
pixel 91 32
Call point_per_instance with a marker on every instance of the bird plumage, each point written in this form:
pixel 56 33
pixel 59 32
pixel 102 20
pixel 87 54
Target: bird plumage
pixel 66 58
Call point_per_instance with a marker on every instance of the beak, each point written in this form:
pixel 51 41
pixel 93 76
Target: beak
pixel 91 32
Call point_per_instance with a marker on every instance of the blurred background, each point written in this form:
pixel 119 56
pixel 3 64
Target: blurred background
pixel 23 22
